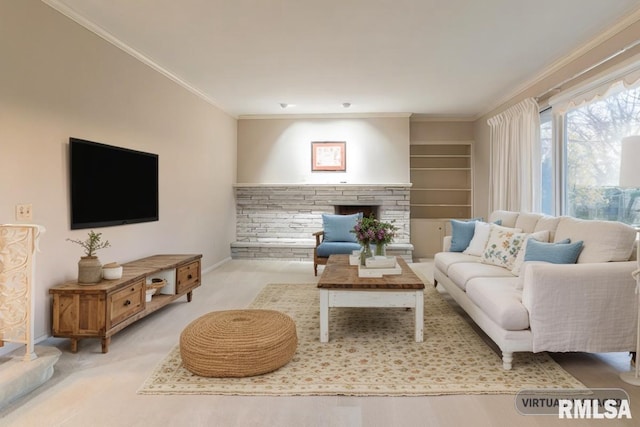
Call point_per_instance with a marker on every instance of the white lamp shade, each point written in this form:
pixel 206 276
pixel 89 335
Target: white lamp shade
pixel 630 162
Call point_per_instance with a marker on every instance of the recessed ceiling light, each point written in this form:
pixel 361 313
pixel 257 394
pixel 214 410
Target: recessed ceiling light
pixel 285 105
pixel 346 104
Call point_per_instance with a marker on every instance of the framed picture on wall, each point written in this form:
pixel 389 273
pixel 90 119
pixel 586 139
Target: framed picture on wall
pixel 328 156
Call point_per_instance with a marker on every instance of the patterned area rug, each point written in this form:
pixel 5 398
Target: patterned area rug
pixel 372 352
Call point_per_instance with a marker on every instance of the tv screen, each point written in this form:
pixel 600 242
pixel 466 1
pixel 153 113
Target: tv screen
pixel 111 185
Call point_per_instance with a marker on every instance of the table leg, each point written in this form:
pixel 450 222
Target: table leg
pixel 419 316
pixel 324 315
pixel 74 345
pixel 105 344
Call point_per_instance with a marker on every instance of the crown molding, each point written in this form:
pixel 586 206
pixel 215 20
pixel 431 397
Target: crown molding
pixel 625 22
pixel 323 116
pixel 442 118
pixel 104 34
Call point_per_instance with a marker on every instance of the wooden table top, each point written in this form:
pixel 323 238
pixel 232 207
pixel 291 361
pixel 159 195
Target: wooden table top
pixel 338 274
pixel 131 271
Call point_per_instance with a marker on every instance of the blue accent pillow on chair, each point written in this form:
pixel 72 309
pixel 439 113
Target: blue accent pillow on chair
pixel 562 252
pixel 337 228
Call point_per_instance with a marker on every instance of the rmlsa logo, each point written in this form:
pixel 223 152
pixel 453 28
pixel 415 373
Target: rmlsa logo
pixel 594 408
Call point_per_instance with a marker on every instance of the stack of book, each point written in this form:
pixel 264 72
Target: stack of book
pixel 378 266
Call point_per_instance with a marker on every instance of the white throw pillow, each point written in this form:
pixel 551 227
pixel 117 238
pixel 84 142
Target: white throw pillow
pixel 540 236
pixel 479 240
pixel 502 246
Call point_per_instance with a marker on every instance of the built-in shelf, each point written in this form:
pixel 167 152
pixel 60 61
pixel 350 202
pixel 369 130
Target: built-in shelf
pixel 441 177
pixel 441 174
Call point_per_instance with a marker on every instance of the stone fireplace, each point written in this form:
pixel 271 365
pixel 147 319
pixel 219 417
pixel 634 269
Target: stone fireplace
pixel 366 210
pixel 276 221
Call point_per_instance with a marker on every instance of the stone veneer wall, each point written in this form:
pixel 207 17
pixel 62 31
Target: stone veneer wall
pixel 277 221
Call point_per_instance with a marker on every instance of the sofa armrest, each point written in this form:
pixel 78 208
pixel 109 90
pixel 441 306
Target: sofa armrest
pixel 587 307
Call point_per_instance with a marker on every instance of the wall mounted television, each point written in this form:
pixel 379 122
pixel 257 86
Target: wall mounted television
pixel 111 185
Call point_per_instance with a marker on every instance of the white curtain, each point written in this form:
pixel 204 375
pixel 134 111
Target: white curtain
pixel 515 158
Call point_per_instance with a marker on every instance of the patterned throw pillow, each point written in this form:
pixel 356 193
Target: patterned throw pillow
pixel 540 236
pixel 503 246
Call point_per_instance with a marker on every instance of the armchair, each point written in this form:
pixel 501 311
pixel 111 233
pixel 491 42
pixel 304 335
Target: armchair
pixel 335 238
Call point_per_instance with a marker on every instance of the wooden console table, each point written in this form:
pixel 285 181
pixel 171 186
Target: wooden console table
pixel 104 308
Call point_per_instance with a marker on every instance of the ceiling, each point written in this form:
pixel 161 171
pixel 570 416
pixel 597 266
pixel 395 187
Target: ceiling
pixel 453 58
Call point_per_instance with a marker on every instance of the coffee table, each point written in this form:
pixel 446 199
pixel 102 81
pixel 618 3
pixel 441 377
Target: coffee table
pixel 340 286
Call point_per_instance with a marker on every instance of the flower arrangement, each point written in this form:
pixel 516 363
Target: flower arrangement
pixel 370 230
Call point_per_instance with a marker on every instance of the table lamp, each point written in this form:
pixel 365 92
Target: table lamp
pixel 630 177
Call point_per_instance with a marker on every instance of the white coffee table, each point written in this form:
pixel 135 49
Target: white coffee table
pixel 340 286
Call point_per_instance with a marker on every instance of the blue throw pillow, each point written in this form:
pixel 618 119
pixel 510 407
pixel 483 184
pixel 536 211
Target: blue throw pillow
pixel 337 228
pixel 462 233
pixel 562 252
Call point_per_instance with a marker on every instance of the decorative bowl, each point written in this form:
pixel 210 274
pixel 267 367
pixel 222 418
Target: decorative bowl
pixel 112 273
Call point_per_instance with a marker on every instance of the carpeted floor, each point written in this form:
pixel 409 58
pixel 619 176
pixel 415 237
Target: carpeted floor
pixel 372 352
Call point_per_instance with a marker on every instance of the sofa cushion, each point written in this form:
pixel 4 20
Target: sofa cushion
pixel 499 299
pixel 337 228
pixel 460 273
pixel 527 221
pixel 540 236
pixel 503 246
pixel 507 218
pixel 444 260
pixel 329 248
pixel 461 234
pixel 563 252
pixel 549 223
pixel 604 241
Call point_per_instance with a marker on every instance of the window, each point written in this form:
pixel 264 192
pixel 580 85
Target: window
pixel 592 135
pixel 547 204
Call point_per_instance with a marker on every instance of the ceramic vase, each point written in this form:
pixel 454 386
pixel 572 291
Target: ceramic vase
pixel 89 270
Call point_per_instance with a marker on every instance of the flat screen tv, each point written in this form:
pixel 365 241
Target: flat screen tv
pixel 111 185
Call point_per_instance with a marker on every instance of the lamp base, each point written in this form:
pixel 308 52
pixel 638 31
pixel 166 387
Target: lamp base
pixel 630 377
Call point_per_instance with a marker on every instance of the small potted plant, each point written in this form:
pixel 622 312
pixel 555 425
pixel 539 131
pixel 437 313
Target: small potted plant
pixel 89 266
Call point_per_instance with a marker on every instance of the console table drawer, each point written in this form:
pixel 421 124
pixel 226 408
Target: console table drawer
pixel 126 302
pixel 188 276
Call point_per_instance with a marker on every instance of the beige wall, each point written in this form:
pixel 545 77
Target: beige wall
pixel 279 150
pixel 589 60
pixel 59 80
pixel 435 130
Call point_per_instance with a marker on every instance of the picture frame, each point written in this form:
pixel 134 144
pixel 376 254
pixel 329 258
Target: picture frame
pixel 328 156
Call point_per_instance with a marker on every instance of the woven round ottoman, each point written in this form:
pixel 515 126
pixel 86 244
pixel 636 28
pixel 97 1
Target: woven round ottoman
pixel 238 343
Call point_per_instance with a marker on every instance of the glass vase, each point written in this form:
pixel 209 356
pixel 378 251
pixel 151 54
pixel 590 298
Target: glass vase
pixel 381 249
pixel 365 253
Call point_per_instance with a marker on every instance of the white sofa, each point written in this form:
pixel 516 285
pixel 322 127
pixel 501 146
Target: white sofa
pixel 589 306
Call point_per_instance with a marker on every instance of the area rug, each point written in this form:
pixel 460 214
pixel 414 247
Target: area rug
pixel 372 352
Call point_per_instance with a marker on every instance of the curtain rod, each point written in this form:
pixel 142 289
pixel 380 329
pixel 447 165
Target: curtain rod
pixel 558 87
